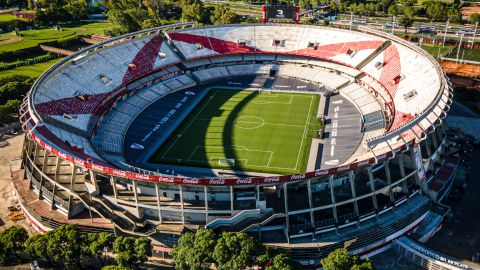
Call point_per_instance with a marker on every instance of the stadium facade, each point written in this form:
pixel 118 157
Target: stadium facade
pixel 76 157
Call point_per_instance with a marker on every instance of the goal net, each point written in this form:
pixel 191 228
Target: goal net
pixel 226 162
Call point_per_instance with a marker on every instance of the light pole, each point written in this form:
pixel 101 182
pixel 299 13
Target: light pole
pixel 393 24
pixel 474 35
pixel 445 33
pixel 351 20
pixel 460 46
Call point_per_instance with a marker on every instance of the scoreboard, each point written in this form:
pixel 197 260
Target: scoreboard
pixel 280 12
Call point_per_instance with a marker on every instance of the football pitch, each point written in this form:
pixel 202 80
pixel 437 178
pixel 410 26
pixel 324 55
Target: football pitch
pixel 245 131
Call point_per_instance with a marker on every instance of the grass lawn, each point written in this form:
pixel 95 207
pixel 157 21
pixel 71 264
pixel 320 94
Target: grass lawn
pixel 245 131
pixel 31 38
pixel 9 17
pixel 437 50
pixel 467 54
pixel 32 70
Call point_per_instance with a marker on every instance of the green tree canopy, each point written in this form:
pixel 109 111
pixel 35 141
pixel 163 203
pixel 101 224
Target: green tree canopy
pixel 235 250
pixel 13 239
pixel 393 10
pixel 341 259
pixel 475 17
pixel 98 243
pixel 222 15
pixel 195 250
pixel 406 22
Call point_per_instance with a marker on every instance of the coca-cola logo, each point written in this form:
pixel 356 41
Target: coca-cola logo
pixel 297 177
pixel 193 181
pixel 321 173
pixel 216 182
pixel 49 148
pixel 119 173
pixel 343 168
pixel 79 162
pixel 62 155
pixel 166 179
pixel 363 163
pixel 244 181
pixel 141 176
pixel 382 156
pixel 97 167
pixel 271 179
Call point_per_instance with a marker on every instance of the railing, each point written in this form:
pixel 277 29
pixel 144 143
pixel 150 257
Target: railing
pixel 235 219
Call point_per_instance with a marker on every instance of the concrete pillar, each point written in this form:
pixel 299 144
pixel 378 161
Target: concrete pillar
pixel 427 145
pixel 332 194
pixel 43 170
pixel 206 203
pixel 113 179
pixel 53 195
pixel 73 176
pixel 181 204
pixel 287 220
pixel 372 188
pixel 159 203
pixel 435 139
pixel 354 193
pixel 401 162
pixel 57 169
pixel 389 180
pixel 310 202
pixel 257 198
pixel 231 199
pixel 135 194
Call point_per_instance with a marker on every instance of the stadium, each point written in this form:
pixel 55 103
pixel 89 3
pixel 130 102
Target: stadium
pixel 309 138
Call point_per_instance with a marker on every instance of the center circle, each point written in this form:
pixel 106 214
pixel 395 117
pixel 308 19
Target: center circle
pixel 249 122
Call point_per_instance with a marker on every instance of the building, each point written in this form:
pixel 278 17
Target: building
pixel 385 101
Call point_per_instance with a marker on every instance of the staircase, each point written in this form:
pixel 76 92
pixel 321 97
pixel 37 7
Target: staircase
pixel 240 221
pixel 374 54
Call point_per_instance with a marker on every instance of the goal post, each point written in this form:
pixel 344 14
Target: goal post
pixel 226 162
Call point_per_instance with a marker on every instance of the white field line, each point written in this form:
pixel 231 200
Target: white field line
pixel 189 124
pixel 304 130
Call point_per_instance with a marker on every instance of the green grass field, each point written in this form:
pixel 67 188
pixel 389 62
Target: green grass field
pixel 245 131
pixel 467 54
pixel 31 38
pixel 32 70
pixel 9 17
pixel 437 51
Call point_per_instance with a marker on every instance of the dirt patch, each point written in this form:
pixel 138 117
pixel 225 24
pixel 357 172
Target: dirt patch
pixel 10 152
pixel 467 11
pixel 10 40
pixel 464 70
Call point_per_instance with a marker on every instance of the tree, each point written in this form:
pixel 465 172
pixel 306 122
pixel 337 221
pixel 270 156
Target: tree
pixel 37 244
pixel 454 15
pixel 77 9
pixel 341 259
pixel 98 244
pixel 132 251
pixel 143 249
pixel 409 11
pixel 475 17
pixel 235 250
pixel 393 10
pixel 406 22
pixel 195 250
pixel 222 15
pixel 436 11
pixel 13 239
pixel 65 244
